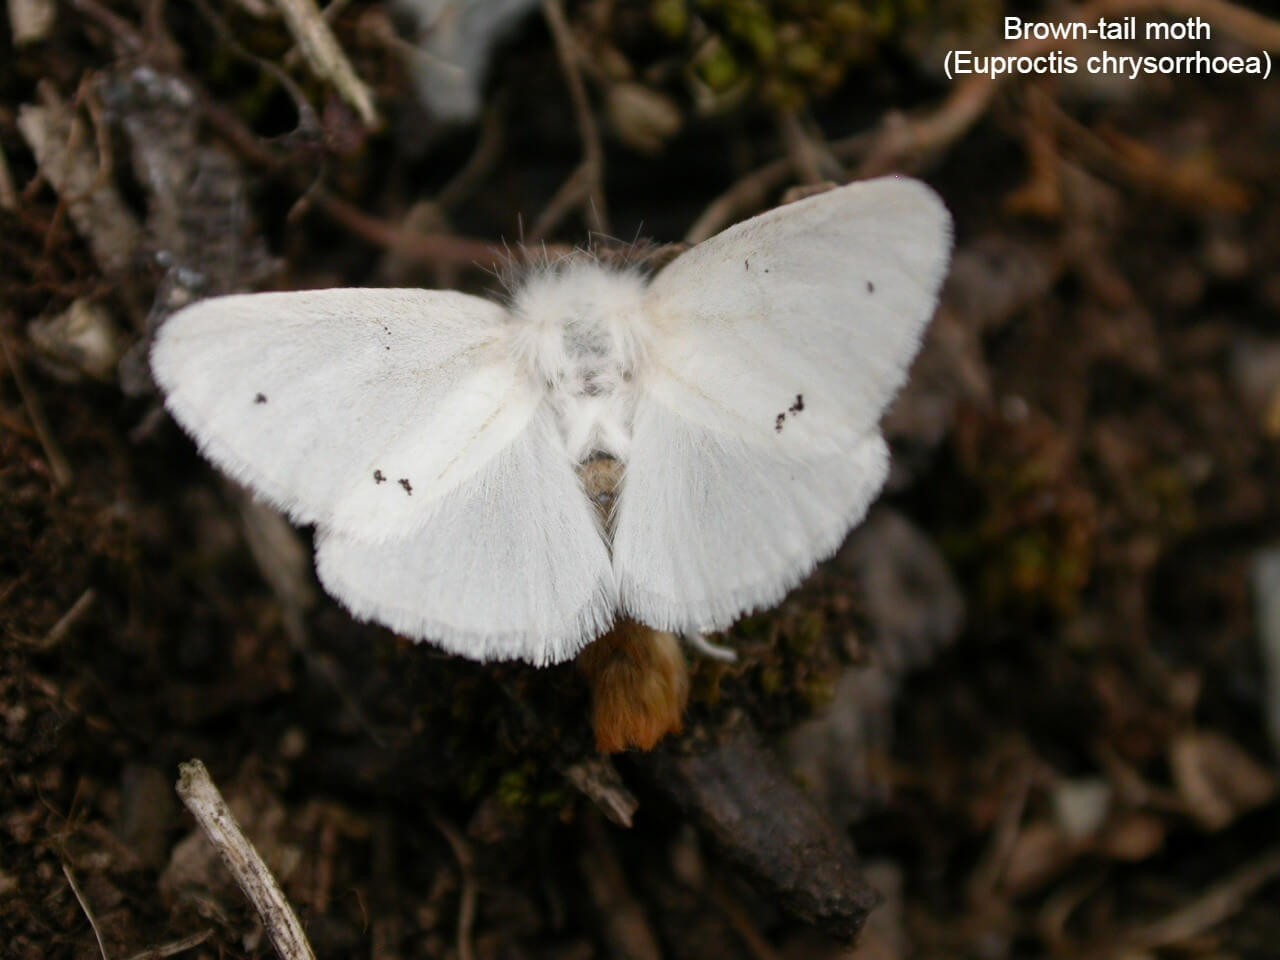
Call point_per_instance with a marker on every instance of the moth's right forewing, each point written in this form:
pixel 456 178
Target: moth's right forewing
pixel 818 305
pixel 776 346
pixel 357 409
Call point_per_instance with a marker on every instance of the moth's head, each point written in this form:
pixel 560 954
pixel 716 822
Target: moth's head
pixel 575 290
pixel 577 309
pixel 524 264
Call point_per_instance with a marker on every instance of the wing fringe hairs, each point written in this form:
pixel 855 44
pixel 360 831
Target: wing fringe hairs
pixel 435 438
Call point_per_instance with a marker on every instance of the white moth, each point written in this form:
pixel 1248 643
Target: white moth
pixel 435 438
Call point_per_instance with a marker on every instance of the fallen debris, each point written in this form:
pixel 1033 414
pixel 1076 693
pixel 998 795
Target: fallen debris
pixel 202 798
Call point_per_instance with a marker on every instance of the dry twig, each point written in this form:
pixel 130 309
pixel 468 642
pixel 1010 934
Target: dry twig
pixel 1190 185
pixel 58 632
pixel 206 804
pixel 59 466
pixel 75 888
pixel 470 889
pixel 742 923
pixel 597 779
pixel 810 156
pixel 751 192
pixel 173 947
pixel 8 193
pixel 1217 903
pixel 321 50
pixel 585 186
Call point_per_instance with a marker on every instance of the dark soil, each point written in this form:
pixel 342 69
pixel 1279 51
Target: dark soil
pixel 1030 690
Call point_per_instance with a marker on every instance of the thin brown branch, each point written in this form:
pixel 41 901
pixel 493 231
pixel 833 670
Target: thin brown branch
pixel 483 159
pixel 811 158
pixel 308 122
pixel 433 249
pixel 173 947
pixel 470 889
pixel 59 466
pixel 1217 903
pixel 751 192
pixel 1189 185
pixel 585 186
pixel 8 193
pixel 59 631
pixel 84 906
pixel 742 923
pixel 121 31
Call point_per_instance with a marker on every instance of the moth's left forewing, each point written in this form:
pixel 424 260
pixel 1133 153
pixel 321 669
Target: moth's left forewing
pixel 818 305
pixel 776 347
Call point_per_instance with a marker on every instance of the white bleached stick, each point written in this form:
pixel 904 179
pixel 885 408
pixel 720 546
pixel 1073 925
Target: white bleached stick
pixel 206 804
pixel 322 52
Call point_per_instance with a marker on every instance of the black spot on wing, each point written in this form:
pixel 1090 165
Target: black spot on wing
pixel 408 487
pixel 379 477
pixel 260 398
pixel 796 407
pixel 871 287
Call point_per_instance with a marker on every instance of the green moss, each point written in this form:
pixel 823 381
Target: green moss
pixel 1166 490
pixel 771 680
pixel 671 17
pixel 803 59
pixel 848 18
pixel 706 682
pixel 755 627
pixel 788 52
pixel 554 799
pixel 514 789
pixel 807 633
pixel 718 68
pixel 1030 546
pixel 817 691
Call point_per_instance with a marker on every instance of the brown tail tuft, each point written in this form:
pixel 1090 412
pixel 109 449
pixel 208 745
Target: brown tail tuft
pixel 639 686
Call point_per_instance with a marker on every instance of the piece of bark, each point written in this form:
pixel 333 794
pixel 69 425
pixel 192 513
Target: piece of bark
pixel 31 21
pixel 66 153
pixel 760 822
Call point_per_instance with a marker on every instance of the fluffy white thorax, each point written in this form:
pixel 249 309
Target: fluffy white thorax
pixel 580 330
